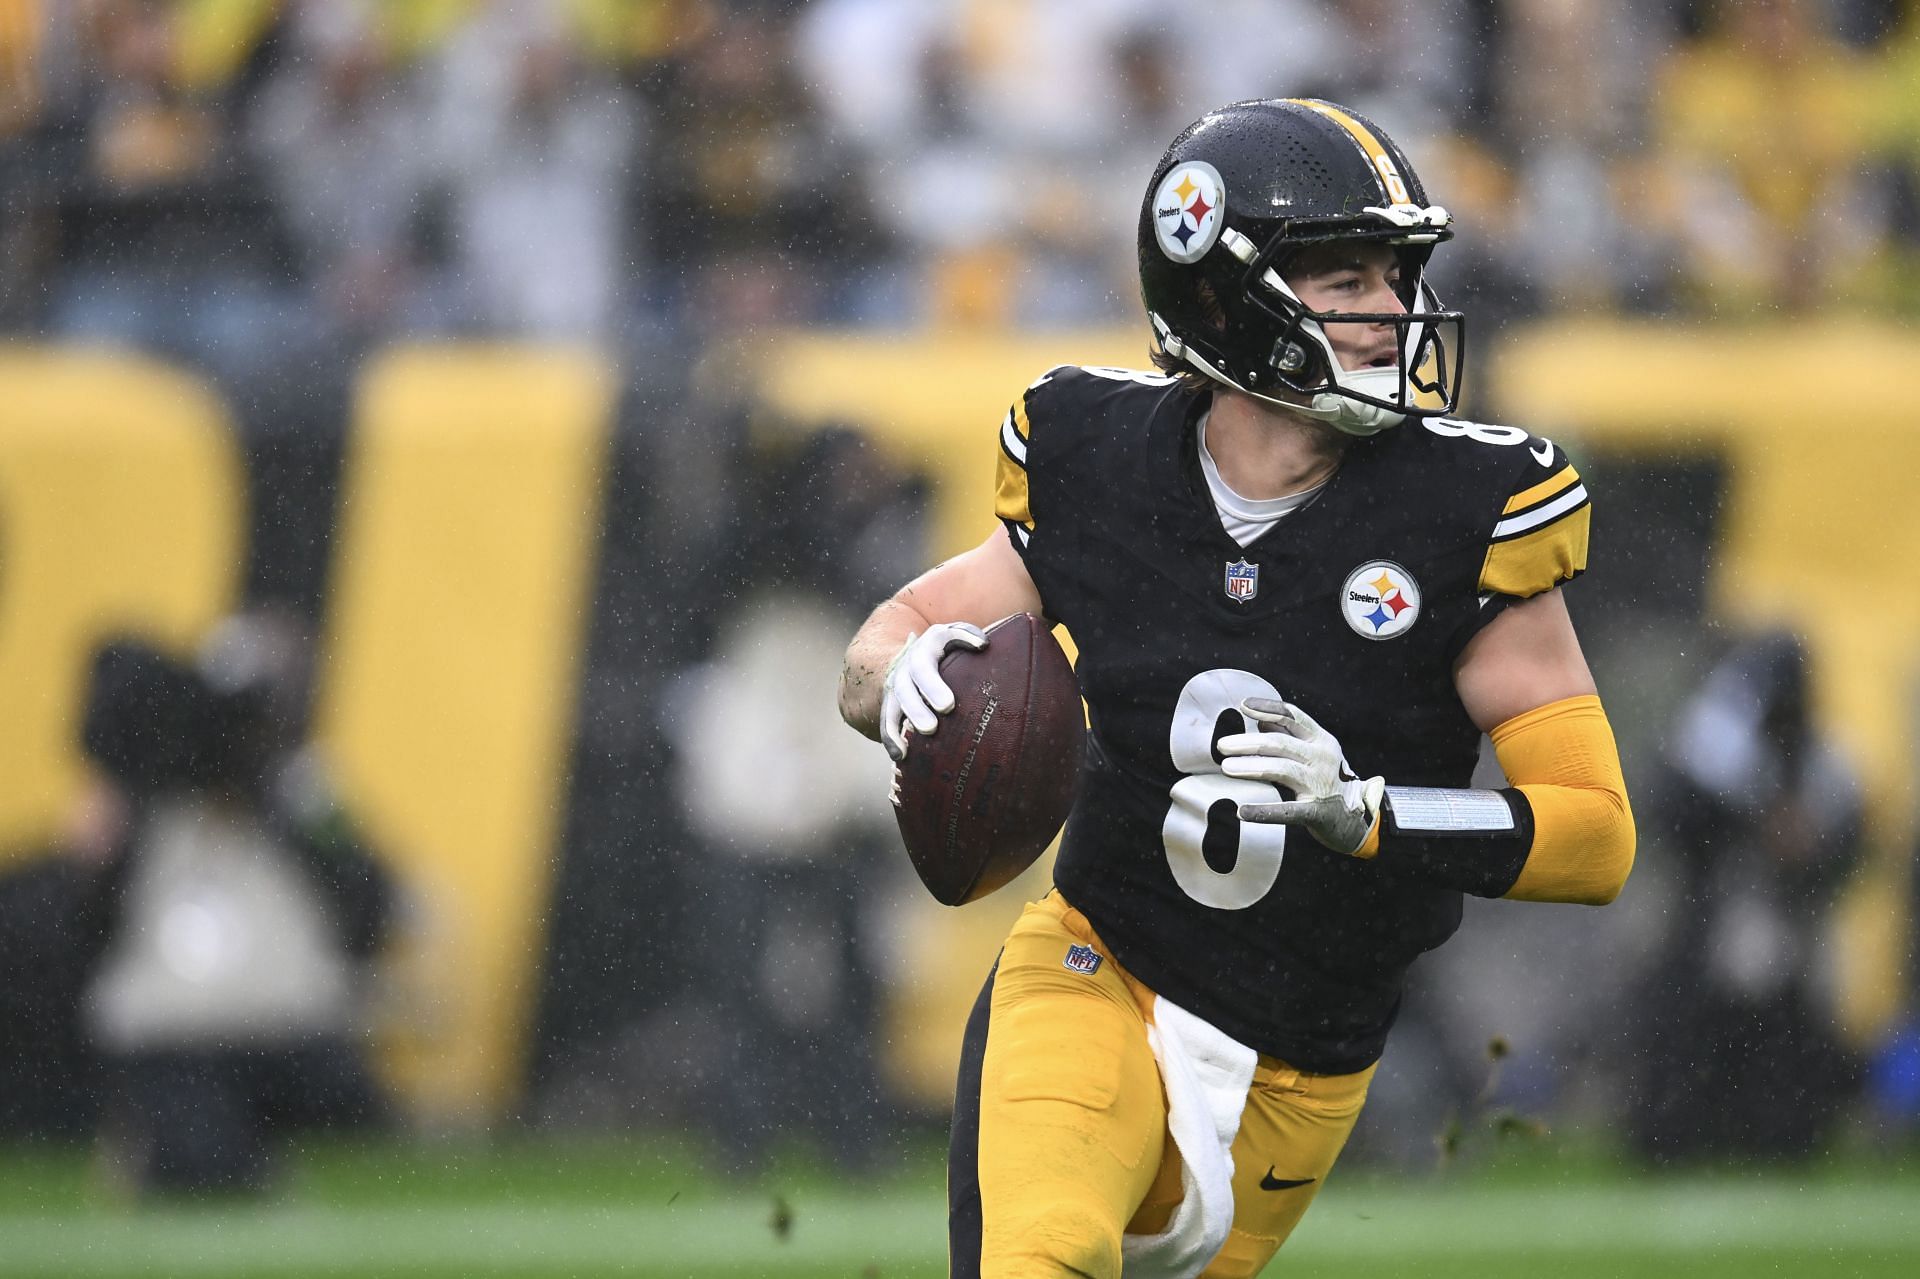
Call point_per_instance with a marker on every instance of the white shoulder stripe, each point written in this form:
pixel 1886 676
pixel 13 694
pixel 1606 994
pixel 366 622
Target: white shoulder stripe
pixel 1541 514
pixel 1010 438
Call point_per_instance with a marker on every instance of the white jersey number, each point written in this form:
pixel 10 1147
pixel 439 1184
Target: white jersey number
pixel 1142 376
pixel 1478 432
pixel 1207 697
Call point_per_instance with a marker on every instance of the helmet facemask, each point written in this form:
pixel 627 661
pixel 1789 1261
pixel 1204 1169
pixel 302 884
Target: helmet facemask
pixel 1429 341
pixel 1304 373
pixel 1429 346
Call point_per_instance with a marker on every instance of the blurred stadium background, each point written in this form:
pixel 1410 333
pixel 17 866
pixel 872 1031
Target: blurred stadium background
pixel 445 443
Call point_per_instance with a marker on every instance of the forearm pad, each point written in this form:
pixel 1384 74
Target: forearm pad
pixel 1563 832
pixel 1562 757
pixel 1472 841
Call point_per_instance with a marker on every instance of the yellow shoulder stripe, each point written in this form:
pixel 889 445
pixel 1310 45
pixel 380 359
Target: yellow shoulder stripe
pixel 1010 497
pixel 1542 491
pixel 1540 560
pixel 1010 492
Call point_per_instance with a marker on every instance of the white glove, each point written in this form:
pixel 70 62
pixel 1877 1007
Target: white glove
pixel 916 696
pixel 1291 751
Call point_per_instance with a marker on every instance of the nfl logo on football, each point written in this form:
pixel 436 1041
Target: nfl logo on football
pixel 1243 581
pixel 1083 959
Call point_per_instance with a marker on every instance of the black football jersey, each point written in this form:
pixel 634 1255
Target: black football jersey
pixel 1353 607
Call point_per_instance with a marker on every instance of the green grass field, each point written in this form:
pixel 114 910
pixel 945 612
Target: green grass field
pixel 647 1208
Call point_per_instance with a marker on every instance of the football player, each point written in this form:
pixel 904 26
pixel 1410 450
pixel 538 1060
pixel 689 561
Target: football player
pixel 1301 590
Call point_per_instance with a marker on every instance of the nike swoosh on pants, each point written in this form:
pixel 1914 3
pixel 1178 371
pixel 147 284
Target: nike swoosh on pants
pixel 1271 1182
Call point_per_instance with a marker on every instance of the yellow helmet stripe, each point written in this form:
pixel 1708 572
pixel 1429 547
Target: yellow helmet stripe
pixel 1393 189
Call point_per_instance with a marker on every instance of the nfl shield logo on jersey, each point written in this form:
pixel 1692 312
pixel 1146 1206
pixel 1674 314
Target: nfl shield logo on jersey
pixel 1083 959
pixel 1243 581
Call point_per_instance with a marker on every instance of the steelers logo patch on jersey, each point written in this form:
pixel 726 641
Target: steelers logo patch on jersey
pixel 1189 210
pixel 1380 600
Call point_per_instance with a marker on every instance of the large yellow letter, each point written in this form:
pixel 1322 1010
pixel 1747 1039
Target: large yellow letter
pixel 457 609
pixel 120 513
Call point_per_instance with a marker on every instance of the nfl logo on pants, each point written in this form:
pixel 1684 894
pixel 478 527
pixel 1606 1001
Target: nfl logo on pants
pixel 1243 581
pixel 1083 959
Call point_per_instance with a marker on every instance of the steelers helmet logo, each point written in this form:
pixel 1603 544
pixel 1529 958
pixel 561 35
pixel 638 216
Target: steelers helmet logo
pixel 1380 600
pixel 1189 208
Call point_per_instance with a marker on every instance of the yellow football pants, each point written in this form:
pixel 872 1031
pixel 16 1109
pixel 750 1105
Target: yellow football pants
pixel 1060 1125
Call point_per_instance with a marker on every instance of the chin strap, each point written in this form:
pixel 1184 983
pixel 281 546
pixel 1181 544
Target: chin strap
pixel 1356 417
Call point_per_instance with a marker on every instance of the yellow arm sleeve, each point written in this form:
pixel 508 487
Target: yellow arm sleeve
pixel 1562 757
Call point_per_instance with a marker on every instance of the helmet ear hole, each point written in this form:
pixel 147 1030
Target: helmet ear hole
pixel 1296 360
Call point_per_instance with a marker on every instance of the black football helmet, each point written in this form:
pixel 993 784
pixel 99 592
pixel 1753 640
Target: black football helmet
pixel 1234 198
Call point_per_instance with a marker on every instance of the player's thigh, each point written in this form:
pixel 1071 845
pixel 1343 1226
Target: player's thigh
pixel 1291 1132
pixel 1060 1119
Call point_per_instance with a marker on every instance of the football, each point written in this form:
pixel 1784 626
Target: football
pixel 981 798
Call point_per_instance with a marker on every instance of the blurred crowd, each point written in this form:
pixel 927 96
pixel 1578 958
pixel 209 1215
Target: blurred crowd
pixel 247 184
pixel 266 190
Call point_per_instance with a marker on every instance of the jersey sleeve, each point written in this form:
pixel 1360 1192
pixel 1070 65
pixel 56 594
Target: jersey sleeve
pixel 1540 539
pixel 1012 493
pixel 1014 486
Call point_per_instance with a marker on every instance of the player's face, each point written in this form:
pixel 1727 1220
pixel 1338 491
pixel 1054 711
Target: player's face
pixel 1354 276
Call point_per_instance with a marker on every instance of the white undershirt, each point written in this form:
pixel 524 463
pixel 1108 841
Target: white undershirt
pixel 1246 518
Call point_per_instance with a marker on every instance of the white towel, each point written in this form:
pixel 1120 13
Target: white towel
pixel 1207 1074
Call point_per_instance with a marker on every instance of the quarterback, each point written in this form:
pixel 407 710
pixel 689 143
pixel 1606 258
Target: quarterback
pixel 1301 590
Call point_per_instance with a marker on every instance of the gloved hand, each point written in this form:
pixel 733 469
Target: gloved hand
pixel 1291 751
pixel 915 694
